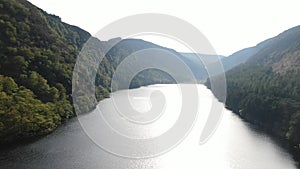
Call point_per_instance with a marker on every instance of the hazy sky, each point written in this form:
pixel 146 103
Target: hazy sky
pixel 229 25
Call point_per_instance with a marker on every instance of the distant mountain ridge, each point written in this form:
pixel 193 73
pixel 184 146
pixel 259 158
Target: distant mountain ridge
pixel 243 55
pixel 282 53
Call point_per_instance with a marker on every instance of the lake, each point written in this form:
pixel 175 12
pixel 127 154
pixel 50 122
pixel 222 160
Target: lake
pixel 234 145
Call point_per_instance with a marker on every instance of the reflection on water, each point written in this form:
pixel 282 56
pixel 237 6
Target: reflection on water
pixel 233 146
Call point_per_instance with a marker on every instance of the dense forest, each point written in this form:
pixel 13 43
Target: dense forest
pixel 266 89
pixel 38 53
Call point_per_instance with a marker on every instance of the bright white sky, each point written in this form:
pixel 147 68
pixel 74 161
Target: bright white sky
pixel 229 25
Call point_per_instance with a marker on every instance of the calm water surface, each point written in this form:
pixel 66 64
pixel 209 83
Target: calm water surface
pixel 235 145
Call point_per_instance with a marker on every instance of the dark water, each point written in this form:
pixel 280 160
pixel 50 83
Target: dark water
pixel 235 145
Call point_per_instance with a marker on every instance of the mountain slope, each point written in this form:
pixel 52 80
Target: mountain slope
pixel 243 55
pixel 38 53
pixel 195 62
pixel 228 62
pixel 266 89
pixel 282 53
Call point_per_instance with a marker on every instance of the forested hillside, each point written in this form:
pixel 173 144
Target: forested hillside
pixel 266 89
pixel 38 53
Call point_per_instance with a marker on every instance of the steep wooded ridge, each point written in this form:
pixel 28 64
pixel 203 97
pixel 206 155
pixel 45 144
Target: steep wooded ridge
pixel 266 89
pixel 38 53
